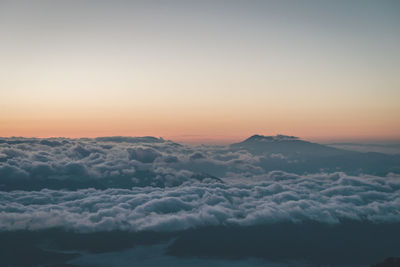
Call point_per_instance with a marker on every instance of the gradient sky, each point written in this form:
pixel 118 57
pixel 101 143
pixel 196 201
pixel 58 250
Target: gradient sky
pixel 200 71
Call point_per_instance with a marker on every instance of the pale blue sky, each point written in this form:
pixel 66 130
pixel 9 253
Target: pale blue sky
pixel 216 69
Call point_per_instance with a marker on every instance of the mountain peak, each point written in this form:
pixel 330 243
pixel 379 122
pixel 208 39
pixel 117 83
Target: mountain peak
pixel 278 137
pixel 283 144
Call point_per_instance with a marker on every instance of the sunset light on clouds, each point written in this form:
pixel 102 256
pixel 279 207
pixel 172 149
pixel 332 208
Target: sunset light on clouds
pixel 191 133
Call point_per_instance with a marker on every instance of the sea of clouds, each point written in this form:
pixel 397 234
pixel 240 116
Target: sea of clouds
pixel 119 162
pixel 279 197
pixel 137 184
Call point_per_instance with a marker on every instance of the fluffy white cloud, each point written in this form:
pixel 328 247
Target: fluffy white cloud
pixel 125 162
pixel 116 162
pixel 135 184
pixel 276 197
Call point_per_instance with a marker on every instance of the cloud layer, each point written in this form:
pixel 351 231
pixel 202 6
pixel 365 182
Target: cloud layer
pixel 136 184
pixel 126 162
pixel 116 162
pixel 276 197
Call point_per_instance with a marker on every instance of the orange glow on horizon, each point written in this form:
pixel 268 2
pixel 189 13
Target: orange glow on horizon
pixel 199 131
pixel 196 76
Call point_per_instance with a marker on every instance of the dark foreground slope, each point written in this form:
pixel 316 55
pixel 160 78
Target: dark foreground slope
pixel 305 244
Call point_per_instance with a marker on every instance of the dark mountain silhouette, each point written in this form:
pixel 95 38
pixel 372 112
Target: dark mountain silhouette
pixel 389 262
pixel 289 153
pixel 288 145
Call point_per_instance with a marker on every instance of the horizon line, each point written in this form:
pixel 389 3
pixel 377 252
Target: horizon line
pixel 223 139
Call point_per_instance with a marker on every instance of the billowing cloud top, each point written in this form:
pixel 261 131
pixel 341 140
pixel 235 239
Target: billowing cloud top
pixel 125 162
pixel 148 183
pixel 277 197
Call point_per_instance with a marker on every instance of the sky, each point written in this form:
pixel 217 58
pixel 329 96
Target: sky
pixel 201 71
